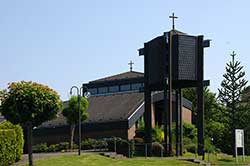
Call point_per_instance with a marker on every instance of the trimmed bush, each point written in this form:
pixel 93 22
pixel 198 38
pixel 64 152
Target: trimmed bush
pixel 40 148
pixel 93 144
pixel 63 146
pixel 19 138
pixel 43 147
pixel 8 147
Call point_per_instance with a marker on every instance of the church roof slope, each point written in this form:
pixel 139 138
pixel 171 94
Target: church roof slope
pixel 126 75
pixel 106 108
pixel 115 107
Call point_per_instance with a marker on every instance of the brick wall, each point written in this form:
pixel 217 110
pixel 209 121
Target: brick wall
pixel 186 115
pixel 61 134
pixel 131 132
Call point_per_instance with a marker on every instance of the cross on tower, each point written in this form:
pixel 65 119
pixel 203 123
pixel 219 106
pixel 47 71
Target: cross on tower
pixel 173 17
pixel 131 65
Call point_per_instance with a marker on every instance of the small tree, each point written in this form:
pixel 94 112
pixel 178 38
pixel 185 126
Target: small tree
pixel 29 104
pixel 215 118
pixel 230 92
pixel 72 114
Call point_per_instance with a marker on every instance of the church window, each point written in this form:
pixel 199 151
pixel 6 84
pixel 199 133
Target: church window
pixel 136 86
pixel 113 89
pixel 125 87
pixel 102 90
pixel 93 91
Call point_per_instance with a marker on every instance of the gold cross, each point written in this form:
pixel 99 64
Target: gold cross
pixel 173 17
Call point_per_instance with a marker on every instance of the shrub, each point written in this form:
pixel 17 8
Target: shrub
pixel 209 147
pixel 189 145
pixel 8 147
pixel 139 149
pixel 157 149
pixel 43 147
pixel 138 140
pixel 93 144
pixel 19 137
pixel 40 148
pixel 88 144
pixel 63 146
pixel 122 146
pixel 140 133
pixel 75 146
pixel 189 131
pixel 158 134
pixel 52 148
pixel 191 148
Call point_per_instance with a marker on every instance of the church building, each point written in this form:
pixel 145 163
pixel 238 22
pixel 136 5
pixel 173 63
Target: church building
pixel 115 107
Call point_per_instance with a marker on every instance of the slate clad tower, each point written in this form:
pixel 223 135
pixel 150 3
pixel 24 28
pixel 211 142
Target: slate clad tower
pixel 171 62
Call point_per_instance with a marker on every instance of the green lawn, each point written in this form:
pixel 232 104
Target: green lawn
pixel 97 160
pixel 220 159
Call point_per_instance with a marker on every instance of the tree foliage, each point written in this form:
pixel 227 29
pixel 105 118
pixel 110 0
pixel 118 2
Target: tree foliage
pixel 230 95
pixel 232 85
pixel 214 111
pixel 71 112
pixel 29 102
pixel 245 98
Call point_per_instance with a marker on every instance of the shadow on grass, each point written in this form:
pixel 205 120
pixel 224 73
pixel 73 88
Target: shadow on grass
pixel 225 160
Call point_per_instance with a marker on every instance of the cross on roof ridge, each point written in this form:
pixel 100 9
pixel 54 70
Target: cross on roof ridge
pixel 131 65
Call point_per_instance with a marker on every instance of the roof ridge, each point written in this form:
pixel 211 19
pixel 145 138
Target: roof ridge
pixel 124 75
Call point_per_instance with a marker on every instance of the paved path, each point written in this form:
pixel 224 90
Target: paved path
pixel 37 156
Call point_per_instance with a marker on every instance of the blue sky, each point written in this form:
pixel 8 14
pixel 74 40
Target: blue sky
pixel 62 43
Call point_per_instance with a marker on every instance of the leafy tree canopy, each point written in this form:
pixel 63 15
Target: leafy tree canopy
pixel 29 102
pixel 71 110
pixel 214 111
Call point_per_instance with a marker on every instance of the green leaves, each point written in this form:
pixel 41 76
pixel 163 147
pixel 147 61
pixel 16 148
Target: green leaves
pixel 71 110
pixel 29 101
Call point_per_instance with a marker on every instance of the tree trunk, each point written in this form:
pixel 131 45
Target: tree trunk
pixel 72 131
pixel 29 142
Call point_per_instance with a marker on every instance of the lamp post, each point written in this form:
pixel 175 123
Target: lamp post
pixel 85 94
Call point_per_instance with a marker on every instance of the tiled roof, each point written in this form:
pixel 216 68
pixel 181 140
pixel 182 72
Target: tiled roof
pixel 126 75
pixel 116 107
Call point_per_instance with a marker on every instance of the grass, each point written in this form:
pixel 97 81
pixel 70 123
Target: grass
pixel 220 159
pixel 97 160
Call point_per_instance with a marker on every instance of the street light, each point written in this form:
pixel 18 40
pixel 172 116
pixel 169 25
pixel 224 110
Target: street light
pixel 85 94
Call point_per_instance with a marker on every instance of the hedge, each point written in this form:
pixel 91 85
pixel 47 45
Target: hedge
pixel 19 138
pixel 7 147
pixel 43 147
